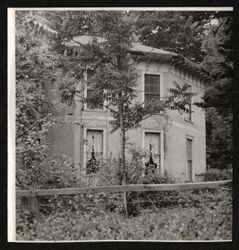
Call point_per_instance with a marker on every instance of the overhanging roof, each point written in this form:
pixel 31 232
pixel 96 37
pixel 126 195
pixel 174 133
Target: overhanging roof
pixel 150 53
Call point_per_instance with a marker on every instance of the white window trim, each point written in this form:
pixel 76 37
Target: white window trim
pixel 193 158
pixel 84 146
pixel 143 83
pixel 161 132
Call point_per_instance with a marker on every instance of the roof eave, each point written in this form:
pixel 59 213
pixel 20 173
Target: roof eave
pixel 177 61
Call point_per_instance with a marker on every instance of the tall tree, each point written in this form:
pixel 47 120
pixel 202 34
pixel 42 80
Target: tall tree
pixel 38 68
pixel 218 97
pixel 176 31
pixel 33 70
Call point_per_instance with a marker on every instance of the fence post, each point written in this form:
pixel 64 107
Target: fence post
pixel 125 197
pixel 31 204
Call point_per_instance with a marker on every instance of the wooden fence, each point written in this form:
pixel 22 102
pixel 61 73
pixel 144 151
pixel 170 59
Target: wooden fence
pixel 30 201
pixel 120 188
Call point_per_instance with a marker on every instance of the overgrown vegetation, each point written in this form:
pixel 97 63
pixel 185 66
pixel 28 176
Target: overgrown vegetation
pixel 217 174
pixel 201 215
pixel 167 215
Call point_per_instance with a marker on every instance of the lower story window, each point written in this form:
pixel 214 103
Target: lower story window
pixel 94 150
pixel 153 149
pixel 189 167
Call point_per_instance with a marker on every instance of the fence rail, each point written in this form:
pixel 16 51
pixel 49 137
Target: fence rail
pixel 125 188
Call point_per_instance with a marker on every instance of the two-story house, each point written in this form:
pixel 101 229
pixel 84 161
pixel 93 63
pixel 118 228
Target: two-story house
pixel 176 142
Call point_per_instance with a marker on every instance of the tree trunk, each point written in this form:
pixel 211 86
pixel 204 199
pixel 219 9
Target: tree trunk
pixel 122 134
pixel 78 129
pixel 122 129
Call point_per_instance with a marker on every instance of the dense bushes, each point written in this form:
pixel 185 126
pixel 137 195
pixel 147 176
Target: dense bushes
pixel 194 214
pixel 51 172
pixel 209 220
pixel 217 174
pixel 60 173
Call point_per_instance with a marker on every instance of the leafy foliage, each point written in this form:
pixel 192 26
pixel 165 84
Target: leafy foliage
pixel 31 116
pixel 219 144
pixel 179 32
pixel 217 174
pixel 50 172
pixel 218 97
pixel 100 216
pixel 37 70
pixel 210 220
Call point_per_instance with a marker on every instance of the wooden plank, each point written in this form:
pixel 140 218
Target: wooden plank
pixel 125 188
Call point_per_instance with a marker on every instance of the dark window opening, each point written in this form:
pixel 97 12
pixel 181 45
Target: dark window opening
pixel 152 89
pixel 189 173
pixel 94 99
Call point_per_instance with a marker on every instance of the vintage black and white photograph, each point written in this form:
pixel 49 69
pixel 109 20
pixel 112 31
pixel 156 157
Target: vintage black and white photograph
pixel 123 124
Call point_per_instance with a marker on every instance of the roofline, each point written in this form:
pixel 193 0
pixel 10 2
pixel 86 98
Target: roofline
pixel 171 58
pixel 176 61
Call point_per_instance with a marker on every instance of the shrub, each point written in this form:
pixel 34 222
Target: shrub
pixel 52 172
pixel 210 221
pixel 217 174
pixel 108 174
pixel 135 168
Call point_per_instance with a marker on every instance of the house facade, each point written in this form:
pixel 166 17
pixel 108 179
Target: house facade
pixel 176 142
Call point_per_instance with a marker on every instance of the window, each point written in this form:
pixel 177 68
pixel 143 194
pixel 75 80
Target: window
pixel 189 106
pixel 94 99
pixel 189 167
pixel 152 88
pixel 94 149
pixel 153 148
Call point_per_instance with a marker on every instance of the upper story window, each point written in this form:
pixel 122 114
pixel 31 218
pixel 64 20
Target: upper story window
pixel 94 101
pixel 151 88
pixel 189 106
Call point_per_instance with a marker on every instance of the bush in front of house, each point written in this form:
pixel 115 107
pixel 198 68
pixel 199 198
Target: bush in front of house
pixel 51 172
pixel 169 215
pixel 62 175
pixel 137 174
pixel 217 174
